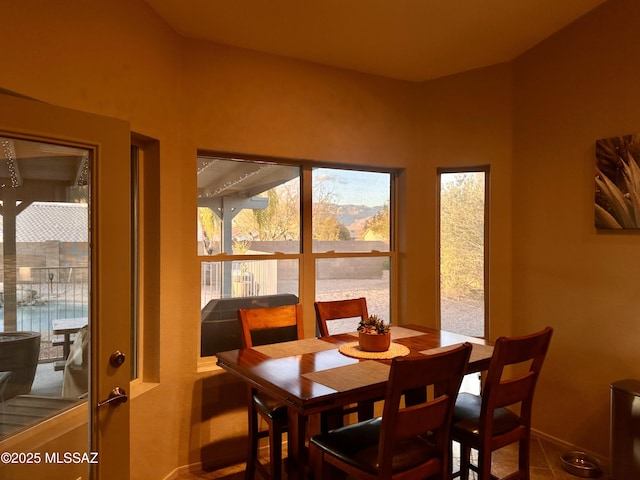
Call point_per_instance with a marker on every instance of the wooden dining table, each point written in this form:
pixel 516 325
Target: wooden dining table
pixel 318 374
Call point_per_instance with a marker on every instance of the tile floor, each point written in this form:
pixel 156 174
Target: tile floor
pixel 545 465
pixel 545 456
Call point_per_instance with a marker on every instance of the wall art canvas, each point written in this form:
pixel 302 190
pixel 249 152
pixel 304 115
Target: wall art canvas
pixel 617 202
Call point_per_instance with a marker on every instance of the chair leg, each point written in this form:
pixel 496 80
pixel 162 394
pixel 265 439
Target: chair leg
pixel 524 447
pixel 465 460
pixel 365 411
pixel 331 419
pixel 317 455
pixel 252 441
pixel 484 464
pixel 275 449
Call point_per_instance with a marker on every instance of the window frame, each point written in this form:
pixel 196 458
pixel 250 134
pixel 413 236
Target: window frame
pixel 306 257
pixel 145 263
pixel 486 283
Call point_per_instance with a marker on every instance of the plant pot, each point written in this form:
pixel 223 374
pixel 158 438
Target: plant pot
pixel 19 353
pixel 374 342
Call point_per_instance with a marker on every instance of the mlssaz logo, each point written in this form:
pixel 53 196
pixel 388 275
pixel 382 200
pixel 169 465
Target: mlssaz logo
pixel 71 457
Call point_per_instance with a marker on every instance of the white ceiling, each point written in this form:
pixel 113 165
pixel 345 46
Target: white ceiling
pixel 412 40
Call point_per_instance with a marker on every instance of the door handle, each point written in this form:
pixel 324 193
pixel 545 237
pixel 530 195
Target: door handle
pixel 116 397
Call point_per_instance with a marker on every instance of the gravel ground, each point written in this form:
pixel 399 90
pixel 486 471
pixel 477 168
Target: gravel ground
pixel 460 316
pixel 463 316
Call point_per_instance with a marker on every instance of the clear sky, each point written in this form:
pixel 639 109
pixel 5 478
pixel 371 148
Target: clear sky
pixel 356 187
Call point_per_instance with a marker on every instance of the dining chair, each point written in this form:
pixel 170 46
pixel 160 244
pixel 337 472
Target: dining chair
pixel 338 310
pixel 409 441
pixel 484 423
pixel 261 326
pixel 327 312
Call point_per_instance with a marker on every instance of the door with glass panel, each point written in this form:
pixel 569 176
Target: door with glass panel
pixel 64 295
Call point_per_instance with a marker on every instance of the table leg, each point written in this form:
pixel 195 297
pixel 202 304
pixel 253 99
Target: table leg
pixel 297 451
pixel 66 347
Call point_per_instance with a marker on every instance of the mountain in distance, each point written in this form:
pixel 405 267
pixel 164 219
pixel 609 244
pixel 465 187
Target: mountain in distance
pixel 349 214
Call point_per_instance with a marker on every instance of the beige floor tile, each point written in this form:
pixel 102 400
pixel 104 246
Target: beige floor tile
pixel 544 457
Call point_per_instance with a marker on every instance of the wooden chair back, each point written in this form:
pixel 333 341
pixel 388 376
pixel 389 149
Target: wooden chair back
pixel 339 309
pixel 511 379
pixel 442 373
pixel 260 326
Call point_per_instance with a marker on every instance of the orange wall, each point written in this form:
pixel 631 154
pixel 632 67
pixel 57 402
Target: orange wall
pixel 534 121
pixel 578 86
pixel 240 101
pixel 464 120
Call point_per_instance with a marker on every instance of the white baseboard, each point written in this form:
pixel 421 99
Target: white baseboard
pixel 604 461
pixel 199 466
pixel 184 469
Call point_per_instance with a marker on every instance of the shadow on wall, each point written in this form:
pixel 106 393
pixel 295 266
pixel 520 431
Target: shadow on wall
pixel 219 421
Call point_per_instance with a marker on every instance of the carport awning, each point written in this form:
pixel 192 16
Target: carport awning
pixel 38 171
pixel 219 177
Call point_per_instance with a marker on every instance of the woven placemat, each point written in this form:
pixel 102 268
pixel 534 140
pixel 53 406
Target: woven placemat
pixel 349 377
pixel 478 351
pixel 352 349
pixel 295 347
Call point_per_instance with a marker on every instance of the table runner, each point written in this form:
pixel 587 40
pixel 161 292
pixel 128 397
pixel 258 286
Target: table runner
pixel 295 347
pixel 478 352
pixel 352 376
pixel 399 332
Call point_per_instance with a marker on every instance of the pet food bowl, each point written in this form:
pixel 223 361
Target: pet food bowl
pixel 581 464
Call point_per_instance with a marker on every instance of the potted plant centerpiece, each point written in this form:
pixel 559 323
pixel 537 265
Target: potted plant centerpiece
pixel 374 334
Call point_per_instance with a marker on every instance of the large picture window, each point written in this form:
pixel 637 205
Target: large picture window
pixel 264 228
pixel 352 247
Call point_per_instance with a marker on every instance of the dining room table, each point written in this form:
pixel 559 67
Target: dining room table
pixel 314 375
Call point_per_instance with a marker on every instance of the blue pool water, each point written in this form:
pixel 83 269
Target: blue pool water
pixel 38 317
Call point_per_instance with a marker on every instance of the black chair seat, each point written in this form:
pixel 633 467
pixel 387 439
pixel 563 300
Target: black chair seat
pixel 260 326
pixel 411 440
pixel 466 416
pixel 510 382
pixel 357 445
pixel 271 407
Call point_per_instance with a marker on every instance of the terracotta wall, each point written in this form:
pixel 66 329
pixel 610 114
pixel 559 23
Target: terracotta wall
pixel 534 121
pixel 240 101
pixel 118 59
pixel 576 87
pixel 464 121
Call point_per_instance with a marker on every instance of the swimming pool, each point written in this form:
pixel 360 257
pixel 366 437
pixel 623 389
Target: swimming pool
pixel 38 318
